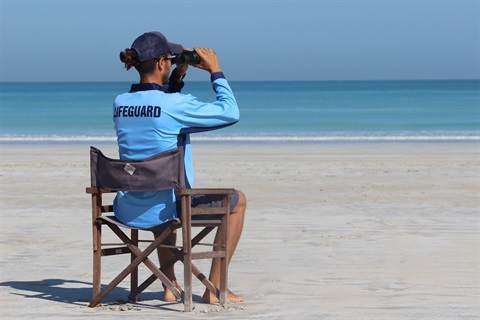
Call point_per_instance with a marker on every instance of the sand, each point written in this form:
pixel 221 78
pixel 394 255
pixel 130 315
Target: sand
pixel 333 231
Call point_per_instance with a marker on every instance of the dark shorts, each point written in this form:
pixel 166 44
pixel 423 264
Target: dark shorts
pixel 203 201
pixel 213 201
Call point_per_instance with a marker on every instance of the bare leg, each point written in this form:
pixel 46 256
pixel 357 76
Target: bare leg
pixel 164 255
pixel 235 228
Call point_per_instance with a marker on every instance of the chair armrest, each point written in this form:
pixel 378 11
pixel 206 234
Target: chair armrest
pixel 178 191
pixel 92 190
pixel 184 192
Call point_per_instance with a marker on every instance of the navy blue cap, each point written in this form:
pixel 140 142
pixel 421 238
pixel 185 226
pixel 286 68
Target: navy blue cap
pixel 151 45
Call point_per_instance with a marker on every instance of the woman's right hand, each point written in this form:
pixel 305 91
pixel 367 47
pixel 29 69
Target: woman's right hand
pixel 209 60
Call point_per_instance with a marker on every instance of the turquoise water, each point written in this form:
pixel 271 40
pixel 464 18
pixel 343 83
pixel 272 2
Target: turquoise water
pixel 290 111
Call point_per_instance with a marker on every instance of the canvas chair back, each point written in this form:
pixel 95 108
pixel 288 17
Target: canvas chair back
pixel 138 175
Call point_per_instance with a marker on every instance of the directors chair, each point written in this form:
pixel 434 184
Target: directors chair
pixel 160 172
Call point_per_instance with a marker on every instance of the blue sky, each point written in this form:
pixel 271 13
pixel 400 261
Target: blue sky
pixel 255 40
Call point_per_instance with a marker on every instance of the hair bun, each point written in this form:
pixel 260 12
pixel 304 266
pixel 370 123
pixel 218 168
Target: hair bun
pixel 129 57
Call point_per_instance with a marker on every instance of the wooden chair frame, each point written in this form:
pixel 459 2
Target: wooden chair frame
pixel 207 219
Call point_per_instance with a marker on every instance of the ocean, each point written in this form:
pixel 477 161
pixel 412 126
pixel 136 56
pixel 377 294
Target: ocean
pixel 445 110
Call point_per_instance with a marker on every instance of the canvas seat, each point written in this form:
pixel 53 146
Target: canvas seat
pixel 160 172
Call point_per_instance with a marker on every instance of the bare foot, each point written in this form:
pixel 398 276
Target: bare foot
pixel 208 297
pixel 169 296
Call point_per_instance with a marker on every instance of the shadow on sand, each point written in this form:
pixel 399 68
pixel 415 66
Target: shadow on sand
pixel 79 293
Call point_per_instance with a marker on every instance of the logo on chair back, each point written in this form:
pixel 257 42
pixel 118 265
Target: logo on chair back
pixel 129 168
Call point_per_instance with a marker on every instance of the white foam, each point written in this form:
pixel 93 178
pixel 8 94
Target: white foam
pixel 54 138
pixel 246 138
pixel 341 138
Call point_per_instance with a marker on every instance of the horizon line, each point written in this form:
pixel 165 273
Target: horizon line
pixel 324 80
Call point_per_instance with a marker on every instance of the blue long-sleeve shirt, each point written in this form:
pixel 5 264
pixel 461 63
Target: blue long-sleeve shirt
pixel 148 121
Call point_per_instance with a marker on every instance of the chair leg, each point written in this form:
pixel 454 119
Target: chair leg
pixel 97 243
pixel 187 251
pixel 223 276
pixel 134 274
pixel 224 260
pixel 97 258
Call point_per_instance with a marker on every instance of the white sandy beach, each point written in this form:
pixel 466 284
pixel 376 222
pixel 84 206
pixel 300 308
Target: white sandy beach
pixel 333 231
